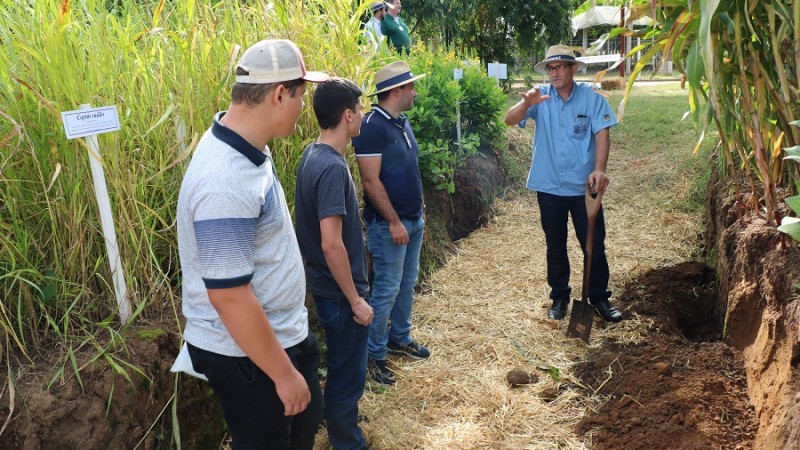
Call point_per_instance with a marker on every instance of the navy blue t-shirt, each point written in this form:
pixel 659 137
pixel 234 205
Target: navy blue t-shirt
pixel 393 141
pixel 325 188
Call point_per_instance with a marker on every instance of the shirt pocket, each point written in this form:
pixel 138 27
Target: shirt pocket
pixel 580 126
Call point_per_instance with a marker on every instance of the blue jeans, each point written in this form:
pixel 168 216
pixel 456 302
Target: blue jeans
pixel 396 268
pixel 554 210
pixel 250 403
pixel 347 371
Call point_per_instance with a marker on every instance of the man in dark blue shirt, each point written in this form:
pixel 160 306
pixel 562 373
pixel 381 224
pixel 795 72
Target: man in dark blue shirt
pixel 388 158
pixel 332 244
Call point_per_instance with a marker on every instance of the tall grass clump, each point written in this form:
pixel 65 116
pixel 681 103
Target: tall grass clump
pixel 742 65
pixel 168 67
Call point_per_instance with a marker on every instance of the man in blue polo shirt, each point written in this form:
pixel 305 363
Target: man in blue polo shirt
pixel 388 159
pixel 570 150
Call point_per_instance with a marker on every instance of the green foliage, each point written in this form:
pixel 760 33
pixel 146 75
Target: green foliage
pixel 497 30
pixel 151 334
pixel 168 68
pixel 791 225
pixel 436 111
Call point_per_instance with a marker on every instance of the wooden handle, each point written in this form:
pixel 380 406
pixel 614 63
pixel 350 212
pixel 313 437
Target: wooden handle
pixel 592 202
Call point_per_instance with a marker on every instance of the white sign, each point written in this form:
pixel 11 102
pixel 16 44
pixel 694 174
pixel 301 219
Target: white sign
pixel 497 70
pixel 458 74
pixel 88 122
pixel 85 122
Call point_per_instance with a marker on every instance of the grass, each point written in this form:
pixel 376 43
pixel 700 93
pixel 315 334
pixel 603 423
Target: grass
pixel 167 67
pixel 653 132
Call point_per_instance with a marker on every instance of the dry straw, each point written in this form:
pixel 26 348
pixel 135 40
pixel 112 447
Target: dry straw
pixel 483 315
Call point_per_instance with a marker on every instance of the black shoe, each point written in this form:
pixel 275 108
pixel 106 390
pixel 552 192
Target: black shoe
pixel 377 370
pixel 559 309
pixel 606 311
pixel 412 350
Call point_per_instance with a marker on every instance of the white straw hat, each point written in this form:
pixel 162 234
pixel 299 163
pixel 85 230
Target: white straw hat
pixel 393 75
pixel 558 53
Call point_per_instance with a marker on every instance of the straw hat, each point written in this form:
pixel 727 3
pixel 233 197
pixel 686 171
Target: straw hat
pixel 393 75
pixel 558 53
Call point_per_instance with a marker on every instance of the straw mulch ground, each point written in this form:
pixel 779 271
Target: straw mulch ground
pixel 483 315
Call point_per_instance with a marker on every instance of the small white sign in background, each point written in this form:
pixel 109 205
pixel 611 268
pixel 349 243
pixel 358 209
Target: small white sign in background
pixel 85 122
pixel 497 70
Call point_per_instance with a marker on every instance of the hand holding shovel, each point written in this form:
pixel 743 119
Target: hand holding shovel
pixel 580 320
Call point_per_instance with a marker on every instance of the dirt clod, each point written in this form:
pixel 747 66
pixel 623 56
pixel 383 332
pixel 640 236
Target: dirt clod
pixel 549 394
pixel 518 377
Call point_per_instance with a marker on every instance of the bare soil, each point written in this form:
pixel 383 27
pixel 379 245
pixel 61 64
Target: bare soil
pixel 681 387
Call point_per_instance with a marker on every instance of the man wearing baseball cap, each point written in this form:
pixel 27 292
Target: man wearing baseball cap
pixel 388 159
pixel 243 280
pixel 372 28
pixel 570 152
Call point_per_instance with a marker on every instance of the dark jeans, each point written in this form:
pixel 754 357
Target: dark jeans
pixel 250 403
pixel 554 210
pixel 347 371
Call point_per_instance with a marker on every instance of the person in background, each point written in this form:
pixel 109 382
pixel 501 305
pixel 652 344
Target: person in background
pixel 372 28
pixel 570 151
pixel 331 240
pixel 243 292
pixel 388 159
pixel 395 28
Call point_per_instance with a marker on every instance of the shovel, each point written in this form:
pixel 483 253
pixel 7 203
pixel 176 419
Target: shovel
pixel 580 320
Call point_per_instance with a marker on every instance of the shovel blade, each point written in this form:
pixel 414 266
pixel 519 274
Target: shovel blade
pixel 580 320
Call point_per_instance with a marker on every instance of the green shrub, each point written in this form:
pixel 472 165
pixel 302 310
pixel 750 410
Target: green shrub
pixel 435 114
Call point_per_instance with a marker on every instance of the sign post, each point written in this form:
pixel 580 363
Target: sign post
pixel 88 122
pixel 457 75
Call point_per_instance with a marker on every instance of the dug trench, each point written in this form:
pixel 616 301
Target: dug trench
pixel 681 387
pixel 718 368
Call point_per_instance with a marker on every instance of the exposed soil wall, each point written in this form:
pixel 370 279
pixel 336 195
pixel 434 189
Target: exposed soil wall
pixel 757 268
pixel 103 410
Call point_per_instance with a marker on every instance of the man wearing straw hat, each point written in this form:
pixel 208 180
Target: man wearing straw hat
pixel 388 159
pixel 243 282
pixel 332 243
pixel 570 151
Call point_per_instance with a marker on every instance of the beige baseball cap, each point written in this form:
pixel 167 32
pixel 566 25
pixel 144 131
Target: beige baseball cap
pixel 273 61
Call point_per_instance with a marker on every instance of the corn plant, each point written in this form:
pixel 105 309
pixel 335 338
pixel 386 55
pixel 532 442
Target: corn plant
pixel 740 61
pixel 791 225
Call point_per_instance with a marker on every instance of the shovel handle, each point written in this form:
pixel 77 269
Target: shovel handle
pixel 593 202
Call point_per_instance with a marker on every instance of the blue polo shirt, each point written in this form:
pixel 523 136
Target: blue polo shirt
pixel 564 142
pixel 393 141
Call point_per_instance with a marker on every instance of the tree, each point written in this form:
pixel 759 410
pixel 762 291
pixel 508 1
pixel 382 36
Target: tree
pixel 497 30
